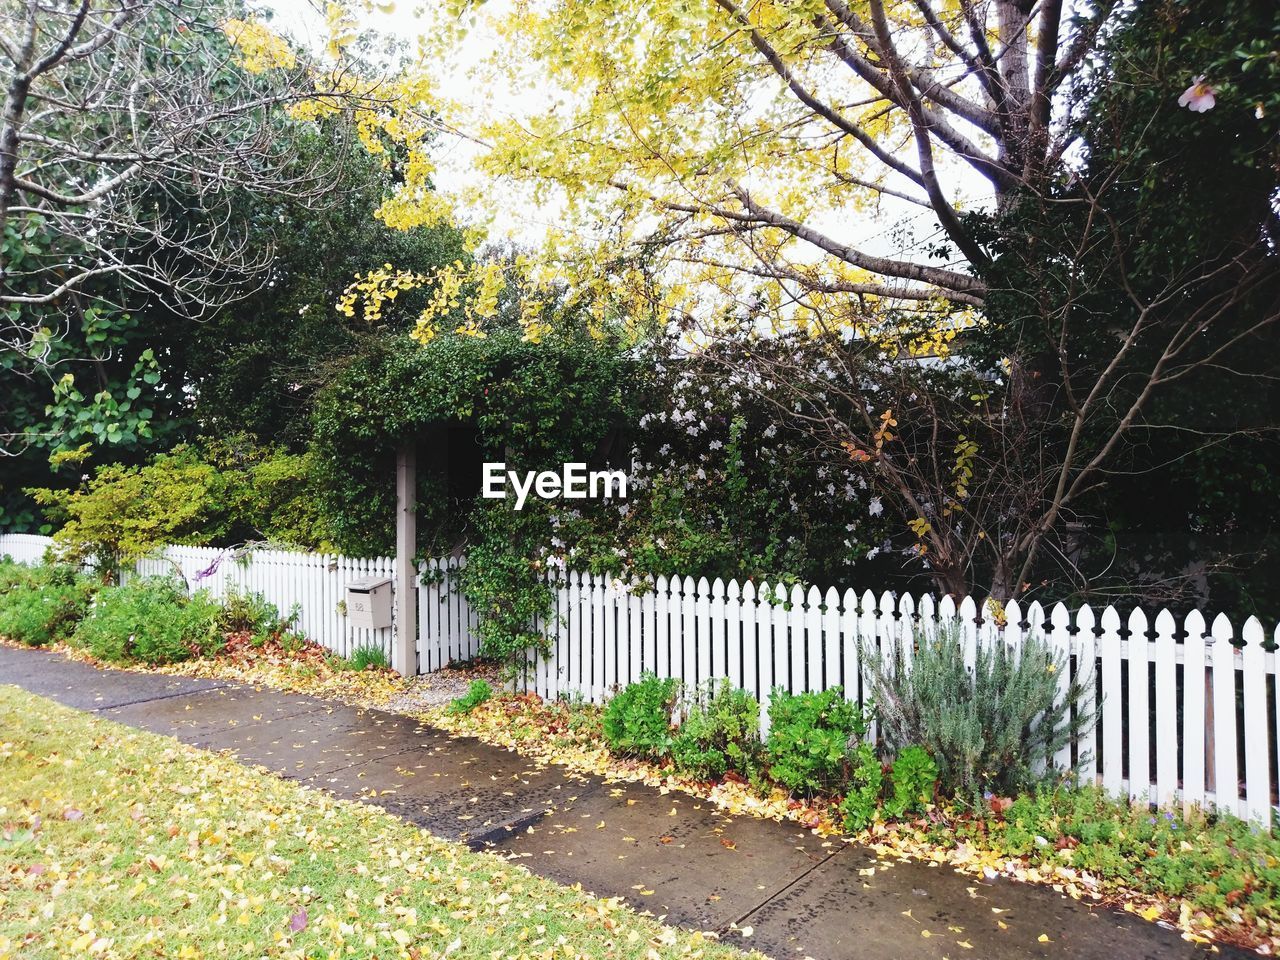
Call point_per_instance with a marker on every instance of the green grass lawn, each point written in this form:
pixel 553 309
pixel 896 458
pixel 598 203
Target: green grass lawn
pixel 119 843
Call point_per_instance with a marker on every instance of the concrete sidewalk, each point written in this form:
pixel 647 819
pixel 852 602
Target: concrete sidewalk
pixel 670 854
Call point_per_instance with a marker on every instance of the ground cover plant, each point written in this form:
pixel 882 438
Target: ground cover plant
pixel 154 847
pixel 811 738
pixel 720 732
pixel 477 693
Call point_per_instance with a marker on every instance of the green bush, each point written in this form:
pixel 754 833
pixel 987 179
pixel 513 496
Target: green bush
pixel 14 574
pixel 810 739
pixel 914 776
pixel 369 655
pixel 503 582
pixel 252 613
pixel 866 783
pixel 987 729
pixel 221 492
pixel 637 722
pixel 720 733
pixel 476 694
pixel 40 605
pixel 151 620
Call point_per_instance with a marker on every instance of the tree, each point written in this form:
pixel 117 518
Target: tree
pixel 1000 369
pixel 126 129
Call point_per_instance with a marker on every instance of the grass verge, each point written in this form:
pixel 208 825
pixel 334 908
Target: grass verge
pixel 115 843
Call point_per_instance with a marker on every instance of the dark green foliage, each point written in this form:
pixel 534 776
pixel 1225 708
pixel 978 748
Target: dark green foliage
pixel 503 580
pixel 720 733
pixel 810 738
pixel 151 620
pixel 499 397
pixel 914 776
pixel 866 782
pixel 40 605
pixel 258 362
pixel 725 487
pixel 986 728
pixel 369 656
pixel 637 722
pixel 476 694
pixel 1168 222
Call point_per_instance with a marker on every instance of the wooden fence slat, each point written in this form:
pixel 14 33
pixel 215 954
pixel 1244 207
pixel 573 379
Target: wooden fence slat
pixel 1087 671
pixel 1226 788
pixel 719 619
pixel 1112 703
pixel 1257 724
pixel 1195 680
pixel 1139 716
pixel 702 642
pixel 1058 635
pixel 733 634
pixel 1166 714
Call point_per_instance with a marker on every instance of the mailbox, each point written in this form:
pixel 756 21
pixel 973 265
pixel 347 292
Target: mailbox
pixel 369 603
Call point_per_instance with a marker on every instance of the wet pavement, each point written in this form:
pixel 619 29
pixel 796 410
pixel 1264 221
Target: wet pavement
pixel 675 856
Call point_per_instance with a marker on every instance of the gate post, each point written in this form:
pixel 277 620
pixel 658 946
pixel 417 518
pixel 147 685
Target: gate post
pixel 404 657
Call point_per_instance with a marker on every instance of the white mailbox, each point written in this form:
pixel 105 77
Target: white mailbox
pixel 369 603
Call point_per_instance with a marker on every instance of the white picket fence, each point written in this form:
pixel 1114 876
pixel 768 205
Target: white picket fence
pixel 314 583
pixel 1189 711
pixel 24 547
pixel 446 623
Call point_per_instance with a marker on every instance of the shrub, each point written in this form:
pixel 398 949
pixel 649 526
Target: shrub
pixel 14 574
pixel 369 655
pixel 503 583
pixel 152 620
pixel 637 722
pixel 866 783
pixel 250 613
pixel 720 733
pixel 224 491
pixel 810 737
pixel 476 694
pixel 987 729
pixel 914 776
pixel 42 605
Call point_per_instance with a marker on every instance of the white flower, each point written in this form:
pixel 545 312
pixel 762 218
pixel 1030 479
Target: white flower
pixel 1199 97
pixel 875 508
